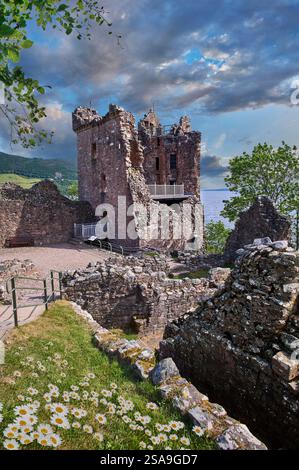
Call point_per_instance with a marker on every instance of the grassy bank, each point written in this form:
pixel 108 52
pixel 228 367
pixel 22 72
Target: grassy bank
pixel 17 179
pixel 59 391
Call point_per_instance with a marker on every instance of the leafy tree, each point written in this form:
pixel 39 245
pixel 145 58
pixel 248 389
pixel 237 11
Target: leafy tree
pixel 216 235
pixel 266 172
pixel 72 190
pixel 22 109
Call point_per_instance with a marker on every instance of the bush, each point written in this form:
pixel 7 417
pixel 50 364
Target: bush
pixel 216 235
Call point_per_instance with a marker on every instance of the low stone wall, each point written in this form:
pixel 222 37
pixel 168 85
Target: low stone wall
pixel 132 293
pixel 228 433
pixel 11 268
pixel 40 213
pixel 242 345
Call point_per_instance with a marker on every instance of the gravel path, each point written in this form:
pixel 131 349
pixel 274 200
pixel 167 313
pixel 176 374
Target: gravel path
pixel 60 257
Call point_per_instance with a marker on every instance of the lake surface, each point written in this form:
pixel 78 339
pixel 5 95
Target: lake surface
pixel 213 205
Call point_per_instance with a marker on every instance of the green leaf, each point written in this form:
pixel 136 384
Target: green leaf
pixel 6 31
pixel 27 44
pixel 13 55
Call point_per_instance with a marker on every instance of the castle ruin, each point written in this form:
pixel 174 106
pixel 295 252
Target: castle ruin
pixel 153 167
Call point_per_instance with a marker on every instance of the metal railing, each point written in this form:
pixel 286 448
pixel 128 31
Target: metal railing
pixel 166 190
pixel 85 231
pixel 48 292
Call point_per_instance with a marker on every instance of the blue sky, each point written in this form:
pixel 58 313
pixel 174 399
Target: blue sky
pixel 229 64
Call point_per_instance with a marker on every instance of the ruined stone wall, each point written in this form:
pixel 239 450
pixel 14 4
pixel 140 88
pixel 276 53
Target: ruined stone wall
pixel 40 213
pixel 111 164
pixel 260 220
pixel 134 294
pixel 242 345
pixel 180 141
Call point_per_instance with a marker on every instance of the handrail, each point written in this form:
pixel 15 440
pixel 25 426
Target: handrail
pixel 47 297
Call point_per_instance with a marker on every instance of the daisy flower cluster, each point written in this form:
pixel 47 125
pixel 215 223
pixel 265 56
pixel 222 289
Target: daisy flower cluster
pixel 50 415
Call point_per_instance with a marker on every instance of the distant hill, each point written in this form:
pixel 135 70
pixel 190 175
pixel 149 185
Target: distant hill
pixel 37 167
pixel 22 181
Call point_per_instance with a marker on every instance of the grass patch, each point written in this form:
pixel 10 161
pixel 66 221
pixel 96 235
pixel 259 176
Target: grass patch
pixel 22 181
pixel 151 254
pixel 200 274
pixel 53 361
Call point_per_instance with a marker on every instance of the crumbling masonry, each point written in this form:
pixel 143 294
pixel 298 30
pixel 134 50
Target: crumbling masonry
pixel 242 346
pixel 152 167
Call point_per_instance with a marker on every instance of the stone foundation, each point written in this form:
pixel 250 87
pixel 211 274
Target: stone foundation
pixel 241 345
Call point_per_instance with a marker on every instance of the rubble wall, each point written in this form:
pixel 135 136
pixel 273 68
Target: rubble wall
pixel 134 294
pixel 40 213
pixel 242 345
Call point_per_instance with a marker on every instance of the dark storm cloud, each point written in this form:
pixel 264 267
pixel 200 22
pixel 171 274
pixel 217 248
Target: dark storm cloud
pixel 212 166
pixel 249 57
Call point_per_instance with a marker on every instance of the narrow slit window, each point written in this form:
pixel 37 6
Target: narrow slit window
pixel 173 161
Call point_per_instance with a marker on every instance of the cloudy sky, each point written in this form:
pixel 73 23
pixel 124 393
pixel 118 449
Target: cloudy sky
pixel 229 64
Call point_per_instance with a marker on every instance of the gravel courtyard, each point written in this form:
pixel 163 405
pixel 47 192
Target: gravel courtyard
pixel 59 257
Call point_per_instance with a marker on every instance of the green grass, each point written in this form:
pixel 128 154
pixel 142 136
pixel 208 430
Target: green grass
pixel 17 179
pixel 60 335
pixel 151 254
pixel 201 273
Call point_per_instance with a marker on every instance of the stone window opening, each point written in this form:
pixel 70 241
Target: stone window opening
pixel 173 161
pixel 157 163
pixel 103 183
pixel 93 150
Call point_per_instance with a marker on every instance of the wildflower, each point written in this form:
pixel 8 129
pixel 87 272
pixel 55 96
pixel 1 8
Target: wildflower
pixel 44 441
pixel 176 425
pixel 155 440
pixel 60 421
pixel 111 409
pixel 198 430
pixel 10 433
pixel 55 440
pixel 91 375
pixel 21 397
pixel 27 429
pixel 88 429
pixel 24 410
pixel 59 409
pixel 159 427
pixel 25 439
pixel 11 444
pixel 101 419
pixel 126 419
pixel 45 429
pixel 74 388
pixel 78 413
pixel 185 441
pixel 76 425
pixel 32 391
pixel 173 437
pixel 22 421
pixel 98 436
pixel 145 419
pixel 17 374
pixel 142 445
pixel 162 437
pixel 152 406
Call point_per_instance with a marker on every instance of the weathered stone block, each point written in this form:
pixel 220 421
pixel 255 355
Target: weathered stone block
pixel 163 371
pixel 239 438
pixel 285 367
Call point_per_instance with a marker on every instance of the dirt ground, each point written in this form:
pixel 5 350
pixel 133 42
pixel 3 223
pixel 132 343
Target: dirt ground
pixel 60 257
